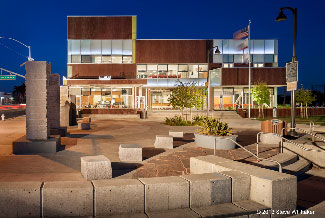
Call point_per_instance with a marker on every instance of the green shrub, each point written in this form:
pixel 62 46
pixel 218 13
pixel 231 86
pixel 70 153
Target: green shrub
pixel 177 121
pixel 212 126
pixel 197 119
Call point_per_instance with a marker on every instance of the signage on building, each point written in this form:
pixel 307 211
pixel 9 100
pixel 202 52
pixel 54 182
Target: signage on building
pixel 292 72
pixel 291 86
pixel 7 77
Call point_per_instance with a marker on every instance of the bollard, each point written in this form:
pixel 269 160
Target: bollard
pixel 2 117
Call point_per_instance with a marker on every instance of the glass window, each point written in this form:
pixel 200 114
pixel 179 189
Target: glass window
pixel 268 58
pixel 228 58
pixel 218 42
pixel 106 47
pixel 172 71
pixel 117 59
pixel 193 71
pixel 96 59
pixel 85 92
pixel 152 71
pixel 117 47
pixel 182 67
pixel 69 47
pixel 85 47
pixel 258 58
pixel 217 58
pixel 75 58
pixel 127 47
pixel 269 46
pixel 203 67
pixel 69 58
pixel 234 46
pixel 95 47
pixel 225 47
pixel 75 47
pixel 162 67
pixel 106 59
pixel 127 59
pixel 258 46
pixel 238 58
pixel 141 67
pixel 85 59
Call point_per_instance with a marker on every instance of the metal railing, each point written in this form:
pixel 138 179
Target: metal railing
pixel 258 158
pixel 311 130
pixel 287 140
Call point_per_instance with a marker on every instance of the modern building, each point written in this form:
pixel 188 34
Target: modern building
pixel 109 68
pixel 5 98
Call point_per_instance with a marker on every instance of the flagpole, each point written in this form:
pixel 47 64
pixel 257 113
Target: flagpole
pixel 249 69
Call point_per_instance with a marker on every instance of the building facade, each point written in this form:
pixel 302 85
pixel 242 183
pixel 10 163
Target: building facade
pixel 109 68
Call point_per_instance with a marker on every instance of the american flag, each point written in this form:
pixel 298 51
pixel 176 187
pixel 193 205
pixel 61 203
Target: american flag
pixel 241 33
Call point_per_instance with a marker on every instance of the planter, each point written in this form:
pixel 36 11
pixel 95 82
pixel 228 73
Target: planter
pixel 222 142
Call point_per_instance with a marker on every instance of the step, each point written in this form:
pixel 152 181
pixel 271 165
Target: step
pixel 298 167
pixel 283 158
pixel 234 209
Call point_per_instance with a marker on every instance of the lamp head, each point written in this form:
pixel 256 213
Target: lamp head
pixel 281 16
pixel 217 51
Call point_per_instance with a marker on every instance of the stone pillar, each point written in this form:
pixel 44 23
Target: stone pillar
pixel 37 73
pixel 53 109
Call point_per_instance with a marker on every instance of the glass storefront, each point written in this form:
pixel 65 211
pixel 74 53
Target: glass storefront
pixel 103 97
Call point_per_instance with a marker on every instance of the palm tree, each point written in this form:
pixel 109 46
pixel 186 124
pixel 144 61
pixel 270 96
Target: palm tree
pixel 19 93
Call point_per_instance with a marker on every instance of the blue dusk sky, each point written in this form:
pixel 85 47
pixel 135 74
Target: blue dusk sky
pixel 43 26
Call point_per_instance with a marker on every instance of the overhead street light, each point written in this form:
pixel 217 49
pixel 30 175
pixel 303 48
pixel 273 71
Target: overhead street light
pixel 27 46
pixel 282 17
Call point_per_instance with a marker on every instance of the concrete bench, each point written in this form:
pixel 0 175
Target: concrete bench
pixel 164 141
pixel 83 125
pixel 96 167
pixel 176 134
pixel 208 189
pixel 130 153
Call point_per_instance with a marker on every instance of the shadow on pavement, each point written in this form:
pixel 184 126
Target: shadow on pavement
pixel 120 168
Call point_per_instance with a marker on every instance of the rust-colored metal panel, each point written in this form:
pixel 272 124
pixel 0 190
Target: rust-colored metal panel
pixel 239 76
pixel 116 71
pixel 171 51
pixel 119 27
pixel 106 82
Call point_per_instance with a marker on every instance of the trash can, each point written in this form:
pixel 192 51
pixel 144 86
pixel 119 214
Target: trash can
pixel 143 114
pixel 244 113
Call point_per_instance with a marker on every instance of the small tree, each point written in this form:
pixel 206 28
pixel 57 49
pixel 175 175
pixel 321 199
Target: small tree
pixel 305 97
pixel 178 98
pixel 261 95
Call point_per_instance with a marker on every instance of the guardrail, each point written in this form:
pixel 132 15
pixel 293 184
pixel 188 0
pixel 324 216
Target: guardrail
pixel 287 140
pixel 258 158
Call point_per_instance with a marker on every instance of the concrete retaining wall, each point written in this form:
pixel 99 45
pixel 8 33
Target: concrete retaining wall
pixel 112 197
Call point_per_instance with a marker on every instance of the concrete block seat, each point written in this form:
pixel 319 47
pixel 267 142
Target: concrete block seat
pixel 165 193
pixel 164 141
pixel 118 197
pixel 176 134
pixel 130 153
pixel 208 189
pixel 83 125
pixel 96 167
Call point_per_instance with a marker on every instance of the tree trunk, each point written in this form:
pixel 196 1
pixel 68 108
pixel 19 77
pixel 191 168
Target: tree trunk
pixel 302 114
pixel 262 112
pixel 182 112
pixel 191 114
pixel 259 111
pixel 306 111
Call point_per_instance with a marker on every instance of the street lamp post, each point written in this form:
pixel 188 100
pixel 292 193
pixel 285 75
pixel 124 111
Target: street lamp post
pixel 209 76
pixel 282 17
pixel 27 46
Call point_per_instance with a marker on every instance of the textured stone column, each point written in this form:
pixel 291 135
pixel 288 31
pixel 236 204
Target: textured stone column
pixel 53 102
pixel 37 83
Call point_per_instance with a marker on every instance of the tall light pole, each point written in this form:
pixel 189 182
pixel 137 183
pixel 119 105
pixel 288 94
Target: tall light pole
pixel 209 76
pixel 27 46
pixel 282 17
